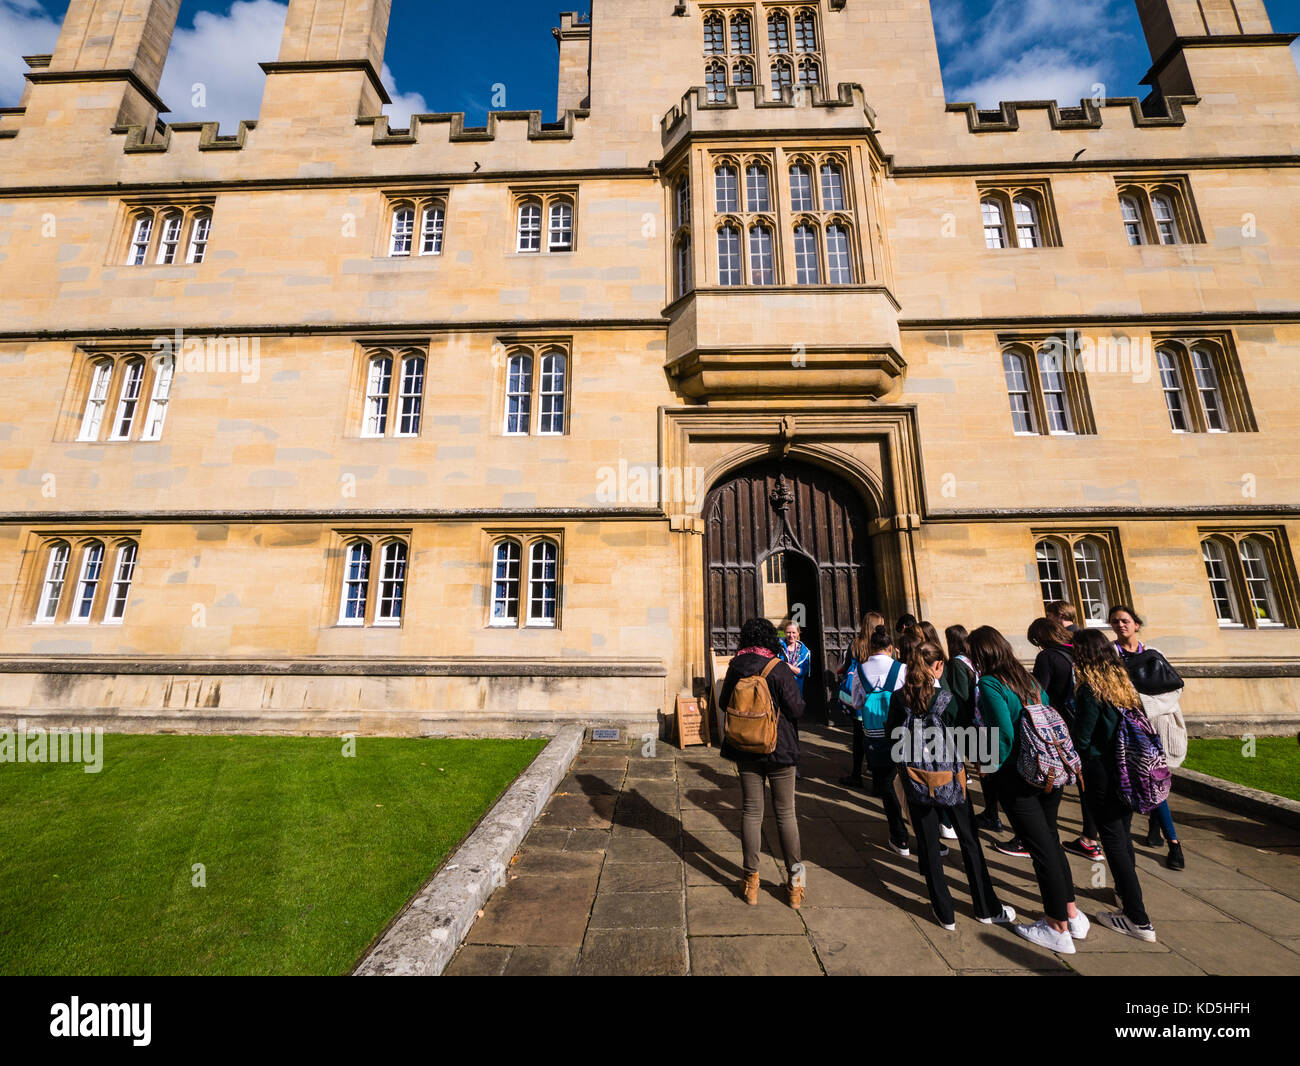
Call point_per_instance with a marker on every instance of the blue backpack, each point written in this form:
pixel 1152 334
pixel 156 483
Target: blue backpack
pixel 875 707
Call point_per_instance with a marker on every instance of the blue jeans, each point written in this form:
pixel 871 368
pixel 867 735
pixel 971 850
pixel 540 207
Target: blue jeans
pixel 1162 818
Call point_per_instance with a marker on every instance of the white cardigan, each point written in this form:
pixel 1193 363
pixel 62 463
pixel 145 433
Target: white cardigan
pixel 1166 715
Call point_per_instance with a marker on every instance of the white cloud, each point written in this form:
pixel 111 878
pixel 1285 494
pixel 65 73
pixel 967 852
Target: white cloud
pixel 26 29
pixel 404 105
pixel 1040 74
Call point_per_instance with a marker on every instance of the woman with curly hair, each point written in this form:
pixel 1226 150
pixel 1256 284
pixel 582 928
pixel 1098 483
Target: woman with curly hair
pixel 1104 687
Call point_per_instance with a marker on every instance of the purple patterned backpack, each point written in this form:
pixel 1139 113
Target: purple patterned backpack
pixel 1145 779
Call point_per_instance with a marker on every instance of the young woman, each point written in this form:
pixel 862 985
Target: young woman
pixel 959 678
pixel 796 654
pixel 1157 681
pixel 759 646
pixel 876 671
pixel 928 632
pixel 1005 689
pixel 1054 670
pixel 905 623
pixel 913 701
pixel 1104 687
pixel 860 650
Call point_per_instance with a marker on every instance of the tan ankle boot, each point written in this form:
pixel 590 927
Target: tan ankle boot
pixel 750 888
pixel 796 894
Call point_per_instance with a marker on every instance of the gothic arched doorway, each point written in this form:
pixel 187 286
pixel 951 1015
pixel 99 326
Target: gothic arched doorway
pixel 788 538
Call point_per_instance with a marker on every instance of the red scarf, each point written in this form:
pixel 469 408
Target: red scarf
pixel 764 652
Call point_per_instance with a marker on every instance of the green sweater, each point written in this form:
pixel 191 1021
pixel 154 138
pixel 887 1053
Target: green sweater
pixel 960 681
pixel 1094 726
pixel 1000 709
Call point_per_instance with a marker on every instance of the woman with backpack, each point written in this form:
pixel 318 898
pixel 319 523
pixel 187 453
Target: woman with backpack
pixel 1007 694
pixel 760 656
pixel 1159 686
pixel 1104 692
pixel 922 703
pixel 1054 670
pixel 959 678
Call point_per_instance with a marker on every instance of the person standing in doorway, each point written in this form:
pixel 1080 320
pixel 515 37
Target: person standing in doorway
pixel 796 654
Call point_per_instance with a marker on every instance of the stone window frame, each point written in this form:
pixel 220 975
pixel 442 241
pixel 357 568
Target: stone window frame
pixel 1006 195
pixel 535 349
pixel 1238 414
pixel 762 60
pixel 525 540
pixel 157 210
pixel 421 202
pixel 547 198
pixel 115 544
pixel 152 401
pixel 1032 350
pixel 338 557
pixel 1280 575
pixel 1106 542
pixel 399 349
pixel 1142 189
pixel 681 211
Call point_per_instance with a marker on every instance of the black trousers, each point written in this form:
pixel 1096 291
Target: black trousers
pixel 882 785
pixel 1090 829
pixel 859 748
pixel 926 820
pixel 1113 820
pixel 1033 814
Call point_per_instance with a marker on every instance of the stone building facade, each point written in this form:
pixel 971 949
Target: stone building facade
pixel 322 425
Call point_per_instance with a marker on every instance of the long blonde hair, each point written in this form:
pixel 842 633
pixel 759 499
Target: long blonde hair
pixel 1098 666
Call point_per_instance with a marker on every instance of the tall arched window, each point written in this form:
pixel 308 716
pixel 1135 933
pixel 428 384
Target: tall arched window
pixel 392 584
pixel 839 260
pixel 1094 600
pixel 431 229
pixel 742 72
pixel 561 227
pixel 200 230
pixel 543 583
pixel 551 394
pixel 1018 386
pixel 762 255
pixel 729 265
pixel 782 76
pixel 403 231
pixel 1079 569
pixel 810 74
pixel 742 35
pixel 832 187
pixel 1220 577
pixel 683 200
pixel 995 227
pixel 1056 402
pixel 801 188
pixel 758 190
pixel 726 191
pixel 164 368
pixel 683 265
pixel 1162 210
pixel 379 384
pixel 1028 234
pixel 128 401
pixel 1134 228
pixel 169 239
pixel 505 583
pixel 715 81
pixel 120 590
pixel 411 397
pixel 1259 582
pixel 356 584
pixel 1207 388
pixel 807 260
pixel 56 572
pixel 715 42
pixel 805 31
pixel 141 235
pixel 519 394
pixel 778 32
pixel 1171 382
pixel 92 568
pixel 1051 572
pixel 530 227
pixel 96 400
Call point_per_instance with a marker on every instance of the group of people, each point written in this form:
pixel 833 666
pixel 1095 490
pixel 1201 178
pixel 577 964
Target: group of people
pixel 975 682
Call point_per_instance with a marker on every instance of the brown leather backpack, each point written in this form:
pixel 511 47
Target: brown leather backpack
pixel 752 715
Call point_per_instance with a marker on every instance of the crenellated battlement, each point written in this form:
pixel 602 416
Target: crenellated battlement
pixel 848 107
pixel 1154 112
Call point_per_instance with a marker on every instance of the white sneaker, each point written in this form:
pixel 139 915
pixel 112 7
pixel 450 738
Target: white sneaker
pixel 1045 936
pixel 947 832
pixel 1007 916
pixel 950 926
pixel 1121 923
pixel 1079 926
pixel 943 852
pixel 903 850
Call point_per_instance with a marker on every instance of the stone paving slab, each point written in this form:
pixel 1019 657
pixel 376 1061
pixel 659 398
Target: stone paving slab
pixel 634 868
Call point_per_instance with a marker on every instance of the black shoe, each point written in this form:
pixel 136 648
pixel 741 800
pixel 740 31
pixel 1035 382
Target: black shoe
pixel 1014 848
pixel 1154 837
pixel 1175 860
pixel 989 823
pixel 849 781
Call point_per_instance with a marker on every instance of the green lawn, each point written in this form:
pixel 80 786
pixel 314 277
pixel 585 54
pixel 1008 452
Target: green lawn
pixel 307 854
pixel 1274 768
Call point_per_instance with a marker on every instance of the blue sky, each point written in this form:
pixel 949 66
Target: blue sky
pixel 452 57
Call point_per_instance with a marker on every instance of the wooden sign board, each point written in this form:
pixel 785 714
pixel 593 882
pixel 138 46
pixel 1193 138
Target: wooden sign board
pixel 692 726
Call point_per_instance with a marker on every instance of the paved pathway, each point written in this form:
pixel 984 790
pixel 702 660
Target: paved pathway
pixel 633 868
